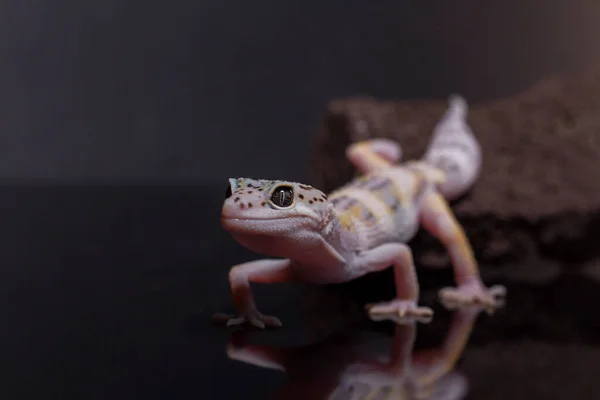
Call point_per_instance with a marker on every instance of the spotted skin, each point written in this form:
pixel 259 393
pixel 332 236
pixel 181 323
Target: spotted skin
pixel 362 227
pixel 383 202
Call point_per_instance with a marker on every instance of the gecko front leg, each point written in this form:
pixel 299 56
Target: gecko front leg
pixel 407 288
pixel 438 219
pixel 372 154
pixel 240 276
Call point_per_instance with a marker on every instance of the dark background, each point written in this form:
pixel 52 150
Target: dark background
pixel 201 90
pixel 107 289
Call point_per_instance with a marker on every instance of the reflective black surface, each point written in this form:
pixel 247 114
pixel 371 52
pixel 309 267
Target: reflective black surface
pixel 107 293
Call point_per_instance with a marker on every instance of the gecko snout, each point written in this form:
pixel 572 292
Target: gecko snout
pixel 246 201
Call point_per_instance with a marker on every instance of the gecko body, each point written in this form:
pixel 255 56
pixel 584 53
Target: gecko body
pixel 361 227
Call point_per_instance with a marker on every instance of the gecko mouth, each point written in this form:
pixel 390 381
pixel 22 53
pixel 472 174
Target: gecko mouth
pixel 251 218
pixel 262 224
pixel 237 220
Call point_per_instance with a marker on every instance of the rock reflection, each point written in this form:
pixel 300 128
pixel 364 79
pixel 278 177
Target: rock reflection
pixel 365 365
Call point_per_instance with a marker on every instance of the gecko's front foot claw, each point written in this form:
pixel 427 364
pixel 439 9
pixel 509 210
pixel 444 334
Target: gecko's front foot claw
pixel 473 294
pixel 400 311
pixel 253 318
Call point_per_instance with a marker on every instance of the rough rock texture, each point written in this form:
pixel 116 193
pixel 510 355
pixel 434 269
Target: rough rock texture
pixel 539 190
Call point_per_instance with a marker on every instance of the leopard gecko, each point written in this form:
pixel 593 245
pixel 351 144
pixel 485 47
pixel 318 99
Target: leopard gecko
pixel 362 227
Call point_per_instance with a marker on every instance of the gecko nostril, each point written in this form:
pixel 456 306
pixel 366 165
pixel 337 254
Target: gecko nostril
pixel 242 205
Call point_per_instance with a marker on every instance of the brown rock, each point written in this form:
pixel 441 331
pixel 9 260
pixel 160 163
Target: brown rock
pixel 539 190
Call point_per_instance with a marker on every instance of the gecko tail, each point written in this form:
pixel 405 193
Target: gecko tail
pixel 455 150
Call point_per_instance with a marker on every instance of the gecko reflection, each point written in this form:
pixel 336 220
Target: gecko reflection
pixel 367 366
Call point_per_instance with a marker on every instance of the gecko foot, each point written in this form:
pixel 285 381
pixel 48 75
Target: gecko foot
pixel 399 311
pixel 371 373
pixel 474 293
pixel 253 318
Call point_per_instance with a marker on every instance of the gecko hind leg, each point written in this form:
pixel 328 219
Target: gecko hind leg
pixel 240 276
pixel 407 288
pixel 373 154
pixel 438 219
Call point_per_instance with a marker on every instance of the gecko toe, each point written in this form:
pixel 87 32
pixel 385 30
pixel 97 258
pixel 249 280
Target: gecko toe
pixel 271 321
pixel 473 295
pixel 255 319
pixel 497 291
pixel 423 312
pixel 399 311
pixel 257 323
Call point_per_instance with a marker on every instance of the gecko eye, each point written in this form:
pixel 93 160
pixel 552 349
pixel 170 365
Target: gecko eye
pixel 228 192
pixel 283 196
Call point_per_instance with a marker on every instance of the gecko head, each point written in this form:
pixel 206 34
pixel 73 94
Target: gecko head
pixel 273 207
